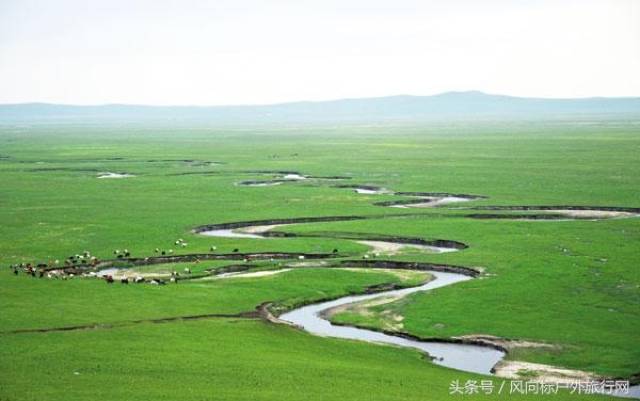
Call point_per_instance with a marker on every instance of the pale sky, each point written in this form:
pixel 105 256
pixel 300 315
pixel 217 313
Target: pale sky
pixel 211 52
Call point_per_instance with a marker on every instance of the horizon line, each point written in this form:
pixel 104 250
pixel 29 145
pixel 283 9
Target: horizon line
pixel 453 92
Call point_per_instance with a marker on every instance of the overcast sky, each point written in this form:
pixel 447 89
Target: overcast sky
pixel 264 51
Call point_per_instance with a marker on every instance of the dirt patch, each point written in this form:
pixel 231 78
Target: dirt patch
pixel 594 214
pixel 263 273
pixel 428 199
pixel 504 343
pixel 258 229
pixel 563 208
pixel 550 213
pixel 118 274
pixel 434 202
pixel 541 372
pixel 393 248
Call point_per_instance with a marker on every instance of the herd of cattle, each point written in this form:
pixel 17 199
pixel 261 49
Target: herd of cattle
pixel 52 271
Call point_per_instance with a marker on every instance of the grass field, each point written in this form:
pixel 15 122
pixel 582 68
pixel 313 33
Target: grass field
pixel 572 284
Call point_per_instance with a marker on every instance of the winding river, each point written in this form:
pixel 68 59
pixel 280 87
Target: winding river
pixel 465 357
pixel 470 358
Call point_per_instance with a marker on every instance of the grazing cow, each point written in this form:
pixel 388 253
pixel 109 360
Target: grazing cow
pixel 139 280
pixel 124 280
pixel 236 250
pixel 335 250
pixel 109 279
pixel 127 254
pixel 301 257
pixel 15 271
pixel 163 253
pixel 187 270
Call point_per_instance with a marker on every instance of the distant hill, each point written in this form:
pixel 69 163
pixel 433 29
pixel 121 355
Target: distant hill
pixel 450 105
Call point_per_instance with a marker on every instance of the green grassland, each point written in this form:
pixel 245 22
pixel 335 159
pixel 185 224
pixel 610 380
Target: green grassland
pixel 575 284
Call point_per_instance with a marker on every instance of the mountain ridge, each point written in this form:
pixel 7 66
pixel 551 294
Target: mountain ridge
pixel 458 104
